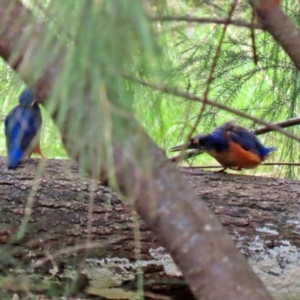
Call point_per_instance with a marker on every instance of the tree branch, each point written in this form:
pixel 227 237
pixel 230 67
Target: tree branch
pixel 283 124
pixel 283 30
pixel 264 227
pixel 191 19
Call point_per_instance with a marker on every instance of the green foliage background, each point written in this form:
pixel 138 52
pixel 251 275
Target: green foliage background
pixel 185 54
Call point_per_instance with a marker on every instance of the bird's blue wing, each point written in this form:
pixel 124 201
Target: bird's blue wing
pixel 32 122
pixel 249 141
pixel 21 126
pixel 245 138
pixel 15 152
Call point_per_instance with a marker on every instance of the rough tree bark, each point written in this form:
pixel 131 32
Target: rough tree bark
pixel 262 215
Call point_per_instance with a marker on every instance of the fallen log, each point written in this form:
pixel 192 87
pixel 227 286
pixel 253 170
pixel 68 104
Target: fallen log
pixel 59 225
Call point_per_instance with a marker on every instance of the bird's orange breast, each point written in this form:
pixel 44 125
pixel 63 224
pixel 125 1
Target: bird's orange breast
pixel 237 157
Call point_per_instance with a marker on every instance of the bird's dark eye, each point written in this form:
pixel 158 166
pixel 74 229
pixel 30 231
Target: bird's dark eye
pixel 193 141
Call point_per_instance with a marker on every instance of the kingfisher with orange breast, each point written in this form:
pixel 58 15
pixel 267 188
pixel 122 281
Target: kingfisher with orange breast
pixel 22 130
pixel 233 146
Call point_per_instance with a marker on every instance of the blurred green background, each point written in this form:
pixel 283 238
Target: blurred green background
pixel 185 52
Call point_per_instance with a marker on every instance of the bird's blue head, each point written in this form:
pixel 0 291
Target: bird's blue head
pixel 205 143
pixel 209 142
pixel 26 98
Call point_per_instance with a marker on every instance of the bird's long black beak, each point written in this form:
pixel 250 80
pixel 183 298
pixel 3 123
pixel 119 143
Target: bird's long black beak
pixel 179 147
pixel 192 144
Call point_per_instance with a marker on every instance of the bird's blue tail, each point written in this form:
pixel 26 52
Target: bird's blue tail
pixel 267 151
pixel 272 149
pixel 15 153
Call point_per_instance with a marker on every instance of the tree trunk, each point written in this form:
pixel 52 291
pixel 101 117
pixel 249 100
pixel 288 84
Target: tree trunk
pixel 260 213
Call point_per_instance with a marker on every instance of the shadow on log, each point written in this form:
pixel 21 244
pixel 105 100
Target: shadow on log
pixel 81 235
